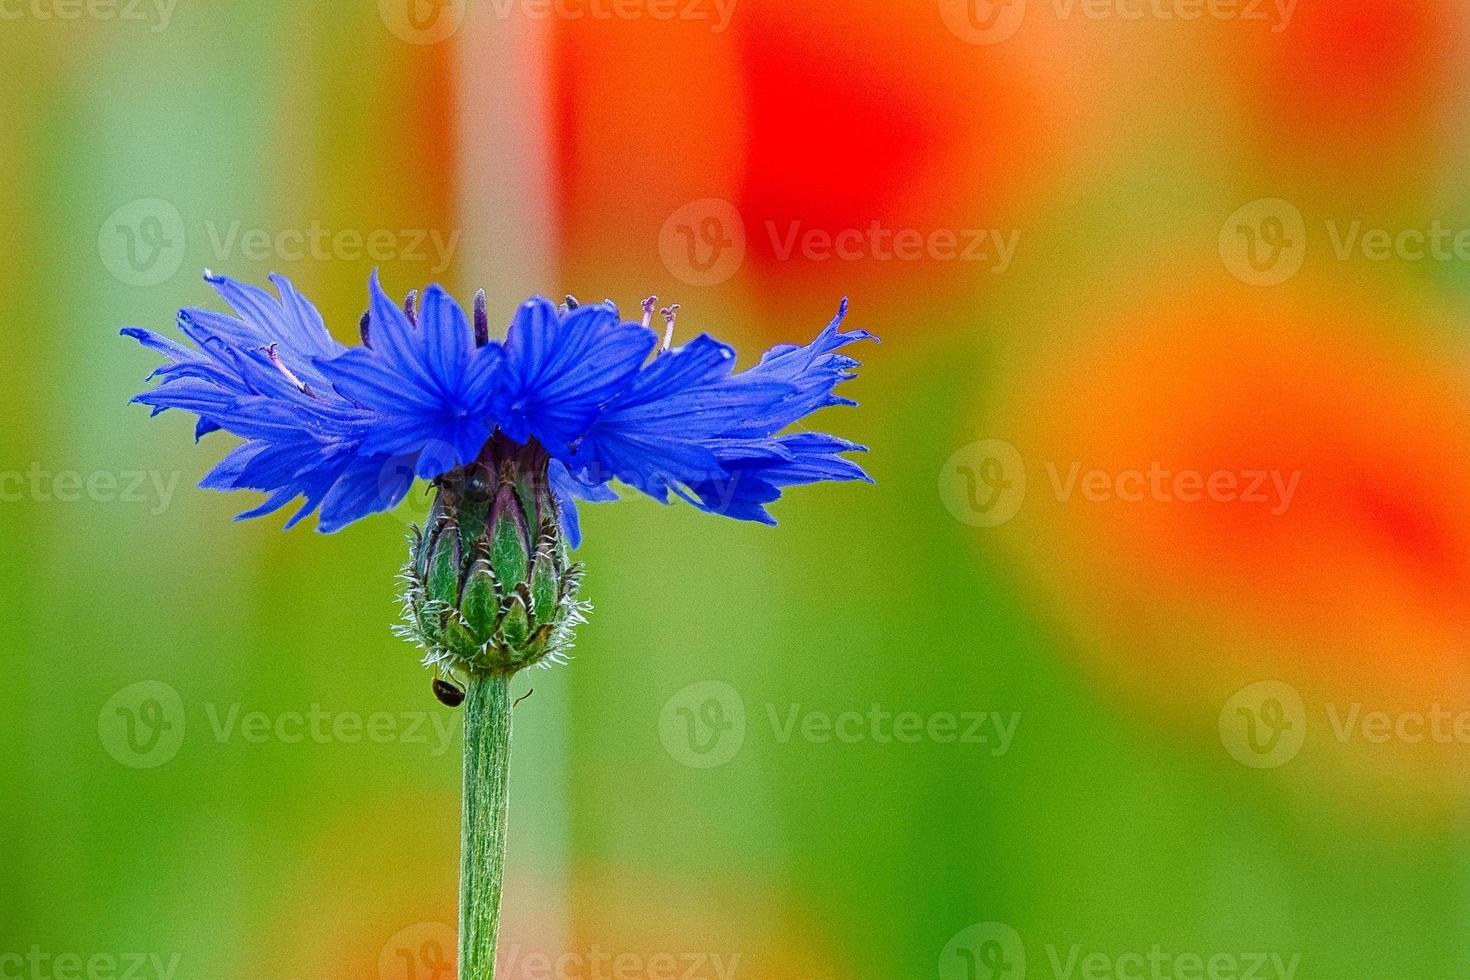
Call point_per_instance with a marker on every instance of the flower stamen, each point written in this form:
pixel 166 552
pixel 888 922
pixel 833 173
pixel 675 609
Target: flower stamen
pixel 669 313
pixel 482 320
pixel 290 376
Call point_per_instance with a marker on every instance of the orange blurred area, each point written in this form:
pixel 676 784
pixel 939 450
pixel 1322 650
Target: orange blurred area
pixel 373 896
pixel 1357 90
pixel 704 929
pixel 1230 483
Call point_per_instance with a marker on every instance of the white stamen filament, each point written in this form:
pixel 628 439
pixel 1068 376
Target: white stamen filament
pixel 669 313
pixel 296 382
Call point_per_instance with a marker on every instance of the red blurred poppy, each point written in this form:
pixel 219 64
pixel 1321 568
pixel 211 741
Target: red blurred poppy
pixel 821 119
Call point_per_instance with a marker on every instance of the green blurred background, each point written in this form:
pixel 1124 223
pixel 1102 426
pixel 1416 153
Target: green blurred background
pixel 1188 783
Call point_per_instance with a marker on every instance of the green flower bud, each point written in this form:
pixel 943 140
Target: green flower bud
pixel 489 586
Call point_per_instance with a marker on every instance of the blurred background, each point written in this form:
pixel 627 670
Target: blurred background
pixel 1145 656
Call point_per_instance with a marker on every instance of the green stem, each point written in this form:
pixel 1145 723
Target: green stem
pixel 483 822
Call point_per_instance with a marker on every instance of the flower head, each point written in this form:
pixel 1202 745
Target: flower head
pixel 594 398
pixel 513 433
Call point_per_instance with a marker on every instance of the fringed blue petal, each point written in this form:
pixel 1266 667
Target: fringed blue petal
pixel 560 370
pixel 687 424
pixel 427 386
pixel 254 376
pixel 346 431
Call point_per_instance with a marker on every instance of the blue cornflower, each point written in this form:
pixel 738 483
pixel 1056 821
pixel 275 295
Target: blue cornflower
pixel 574 393
pixel 513 433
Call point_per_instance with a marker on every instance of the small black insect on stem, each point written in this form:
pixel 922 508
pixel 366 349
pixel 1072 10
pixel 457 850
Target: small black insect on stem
pixel 450 695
